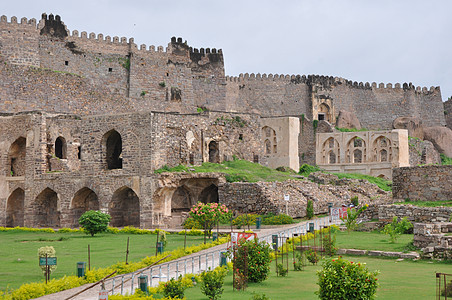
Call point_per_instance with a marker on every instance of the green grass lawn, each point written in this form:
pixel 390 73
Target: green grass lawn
pixel 371 241
pixel 398 280
pixel 19 252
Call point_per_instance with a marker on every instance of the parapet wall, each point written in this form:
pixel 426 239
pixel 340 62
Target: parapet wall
pixel 425 183
pixel 413 213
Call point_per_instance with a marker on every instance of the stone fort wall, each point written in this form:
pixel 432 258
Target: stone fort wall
pixel 181 78
pixel 425 183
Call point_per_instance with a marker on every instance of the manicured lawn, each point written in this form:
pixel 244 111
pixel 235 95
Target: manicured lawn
pixel 398 280
pixel 371 241
pixel 19 252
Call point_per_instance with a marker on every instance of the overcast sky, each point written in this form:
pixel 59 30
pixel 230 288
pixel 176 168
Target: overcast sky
pixel 375 40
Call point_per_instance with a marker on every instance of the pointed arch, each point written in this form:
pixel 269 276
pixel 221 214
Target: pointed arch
pixel 61 147
pixel 181 201
pixel 270 140
pixel 124 208
pixel 16 157
pixel 47 213
pixel 331 151
pixel 15 208
pixel 209 194
pixel 356 150
pixel 382 149
pixel 84 200
pixel 112 145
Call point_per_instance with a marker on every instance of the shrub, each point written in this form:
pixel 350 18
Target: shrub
pixel 278 220
pixel 298 263
pixel 212 283
pixel 312 256
pixel 306 169
pixel 94 221
pixel 394 229
pixel 257 257
pixel 209 214
pixel 281 271
pixel 191 223
pixel 174 288
pixel 259 297
pixel 352 215
pixel 310 209
pixel 341 279
pixel 245 220
pixel 355 200
pixel 329 245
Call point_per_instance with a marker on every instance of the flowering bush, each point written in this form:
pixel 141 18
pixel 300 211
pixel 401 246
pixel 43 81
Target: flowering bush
pixel 174 288
pixel 342 279
pixel 257 255
pixel 312 256
pixel 209 214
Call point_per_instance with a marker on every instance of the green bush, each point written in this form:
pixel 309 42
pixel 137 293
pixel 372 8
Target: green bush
pixel 298 263
pixel 352 217
pixel 259 297
pixel 257 256
pixel 281 271
pixel 278 220
pixel 309 209
pixel 47 251
pixel 340 279
pixel 212 283
pixel 306 169
pixel 245 220
pixel 191 223
pixel 355 201
pixel 329 245
pixel 394 229
pixel 312 256
pixel 174 288
pixel 94 221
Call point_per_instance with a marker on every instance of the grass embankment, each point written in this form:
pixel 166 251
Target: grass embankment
pixel 242 170
pixel 398 280
pixel 427 203
pixel 19 252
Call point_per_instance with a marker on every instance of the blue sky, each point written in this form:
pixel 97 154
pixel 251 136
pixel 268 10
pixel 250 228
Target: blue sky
pixel 374 41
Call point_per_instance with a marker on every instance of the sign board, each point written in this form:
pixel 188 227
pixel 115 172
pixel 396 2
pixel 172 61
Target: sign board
pixel 103 295
pixel 237 236
pixel 51 261
pixel 287 197
pixel 338 212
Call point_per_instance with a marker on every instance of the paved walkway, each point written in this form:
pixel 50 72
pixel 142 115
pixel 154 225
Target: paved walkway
pixel 193 263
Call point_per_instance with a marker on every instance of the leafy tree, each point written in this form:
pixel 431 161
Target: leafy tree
pixel 48 251
pixel 209 214
pixel 94 221
pixel 212 283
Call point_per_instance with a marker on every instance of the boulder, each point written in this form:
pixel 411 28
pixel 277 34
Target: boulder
pixel 412 124
pixel 324 127
pixel 347 120
pixel 441 137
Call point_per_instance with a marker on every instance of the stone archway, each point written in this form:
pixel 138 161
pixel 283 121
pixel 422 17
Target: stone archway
pixel 181 201
pixel 84 200
pixel 15 208
pixel 16 157
pixel 209 194
pixel 124 208
pixel 61 148
pixel 214 152
pixel 46 209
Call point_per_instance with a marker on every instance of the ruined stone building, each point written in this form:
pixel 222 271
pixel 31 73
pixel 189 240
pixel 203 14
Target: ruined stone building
pixel 87 119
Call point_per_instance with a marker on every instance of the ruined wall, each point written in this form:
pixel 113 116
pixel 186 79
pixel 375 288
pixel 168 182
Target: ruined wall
pixel 425 183
pixel 413 213
pixel 448 112
pixel 266 197
pixel 422 152
pixel 268 95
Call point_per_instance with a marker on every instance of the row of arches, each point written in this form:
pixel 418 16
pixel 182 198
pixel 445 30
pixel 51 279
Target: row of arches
pixel 356 151
pixel 124 208
pixel 111 147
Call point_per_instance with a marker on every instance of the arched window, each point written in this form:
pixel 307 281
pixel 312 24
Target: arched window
pixel 324 112
pixel 270 141
pixel 16 157
pixel 113 149
pixel 331 151
pixel 382 150
pixel 60 148
pixel 356 151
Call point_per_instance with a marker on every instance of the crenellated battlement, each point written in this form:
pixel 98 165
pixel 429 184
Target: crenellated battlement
pixel 13 21
pixel 329 80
